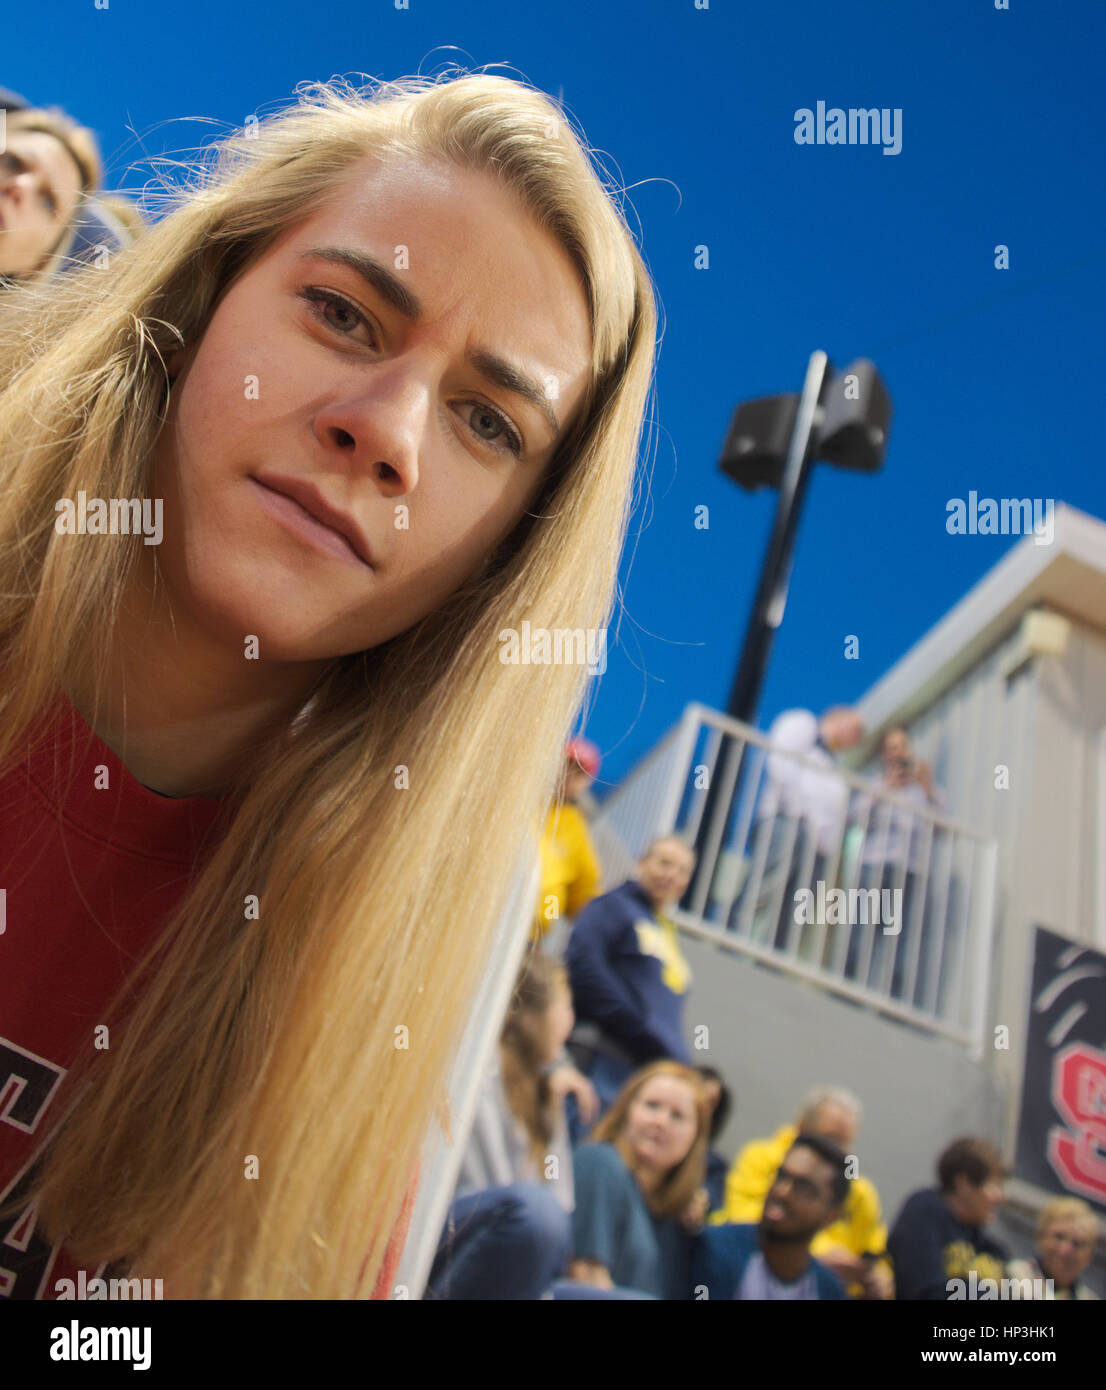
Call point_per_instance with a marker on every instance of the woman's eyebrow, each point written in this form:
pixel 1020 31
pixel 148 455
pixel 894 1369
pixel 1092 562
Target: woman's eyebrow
pixel 395 292
pixel 390 286
pixel 511 379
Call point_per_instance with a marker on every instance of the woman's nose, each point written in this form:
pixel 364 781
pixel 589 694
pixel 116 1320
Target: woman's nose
pixel 380 436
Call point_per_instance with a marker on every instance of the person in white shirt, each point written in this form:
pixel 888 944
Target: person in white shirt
pixel 803 807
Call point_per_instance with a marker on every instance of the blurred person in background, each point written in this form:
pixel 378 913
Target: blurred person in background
pixel 854 1243
pixel 49 219
pixel 570 870
pixel 508 1232
pixel 939 1234
pixel 639 1187
pixel 801 809
pixel 772 1258
pixel 1067 1232
pixel 893 855
pixel 629 977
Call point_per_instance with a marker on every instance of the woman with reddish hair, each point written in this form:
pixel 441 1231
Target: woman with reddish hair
pixel 639 1186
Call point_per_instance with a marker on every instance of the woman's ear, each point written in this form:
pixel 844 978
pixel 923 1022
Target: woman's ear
pixel 175 362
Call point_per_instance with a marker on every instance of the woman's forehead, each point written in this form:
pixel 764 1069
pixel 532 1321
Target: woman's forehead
pixel 50 154
pixel 451 248
pixel 1065 1225
pixel 445 226
pixel 669 1088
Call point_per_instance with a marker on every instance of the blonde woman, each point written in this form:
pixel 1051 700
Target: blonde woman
pixel 49 168
pixel 267 779
pixel 639 1186
pixel 1067 1233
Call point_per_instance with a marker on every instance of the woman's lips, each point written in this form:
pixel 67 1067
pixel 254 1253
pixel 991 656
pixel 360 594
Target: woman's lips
pixel 300 521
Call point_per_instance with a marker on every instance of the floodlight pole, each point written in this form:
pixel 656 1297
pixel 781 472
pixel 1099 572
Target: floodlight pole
pixel 766 616
pixel 775 575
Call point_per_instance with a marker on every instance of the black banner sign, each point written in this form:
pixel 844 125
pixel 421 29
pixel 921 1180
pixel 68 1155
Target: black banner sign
pixel 1062 1129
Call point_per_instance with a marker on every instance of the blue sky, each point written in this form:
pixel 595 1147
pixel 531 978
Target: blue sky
pixel 995 375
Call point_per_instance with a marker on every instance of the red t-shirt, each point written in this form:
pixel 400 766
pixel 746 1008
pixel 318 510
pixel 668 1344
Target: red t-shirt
pixel 92 863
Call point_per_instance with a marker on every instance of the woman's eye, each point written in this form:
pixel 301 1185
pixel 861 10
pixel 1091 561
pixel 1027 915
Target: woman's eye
pixel 334 311
pixel 499 424
pixel 344 318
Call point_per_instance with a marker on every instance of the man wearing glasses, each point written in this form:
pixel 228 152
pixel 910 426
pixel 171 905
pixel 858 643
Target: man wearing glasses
pixel 772 1260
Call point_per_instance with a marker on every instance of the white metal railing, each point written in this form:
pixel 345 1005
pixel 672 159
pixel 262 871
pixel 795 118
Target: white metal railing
pixel 871 893
pixel 624 825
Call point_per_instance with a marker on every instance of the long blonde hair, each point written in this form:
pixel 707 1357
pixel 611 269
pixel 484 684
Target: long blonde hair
pixel 277 1038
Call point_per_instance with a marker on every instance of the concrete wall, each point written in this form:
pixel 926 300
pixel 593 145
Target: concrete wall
pixel 774 1038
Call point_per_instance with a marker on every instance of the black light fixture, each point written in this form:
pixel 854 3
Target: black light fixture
pixel 840 418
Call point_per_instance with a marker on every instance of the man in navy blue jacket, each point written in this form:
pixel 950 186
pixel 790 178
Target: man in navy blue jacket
pixel 629 977
pixel 938 1242
pixel 772 1260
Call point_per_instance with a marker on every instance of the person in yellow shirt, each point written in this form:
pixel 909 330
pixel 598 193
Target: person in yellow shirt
pixel 853 1246
pixel 569 864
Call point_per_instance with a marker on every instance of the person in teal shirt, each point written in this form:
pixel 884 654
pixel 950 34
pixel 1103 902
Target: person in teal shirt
pixel 639 1188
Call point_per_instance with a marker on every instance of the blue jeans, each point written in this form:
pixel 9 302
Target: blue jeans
pixel 608 1077
pixel 566 1289
pixel 506 1243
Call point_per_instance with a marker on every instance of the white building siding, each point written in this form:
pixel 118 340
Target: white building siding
pixel 1043 717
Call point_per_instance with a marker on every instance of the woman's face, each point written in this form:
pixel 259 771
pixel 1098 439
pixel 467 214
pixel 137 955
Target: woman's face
pixel 369 413
pixel 661 1123
pixel 1065 1250
pixel 39 189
